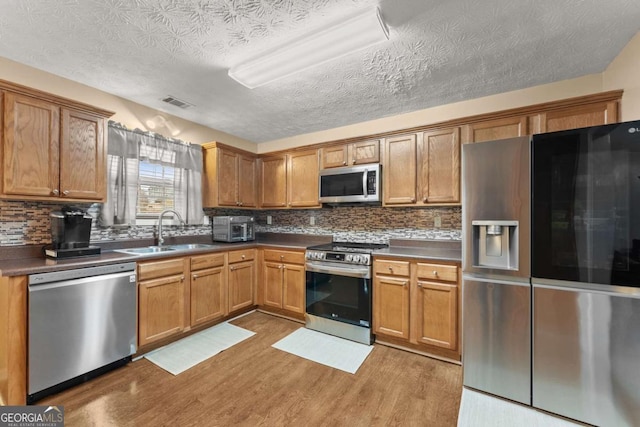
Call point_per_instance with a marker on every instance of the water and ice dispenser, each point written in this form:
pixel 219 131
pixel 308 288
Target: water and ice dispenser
pixel 495 244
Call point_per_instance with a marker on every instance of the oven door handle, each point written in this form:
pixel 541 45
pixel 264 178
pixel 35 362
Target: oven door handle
pixel 364 273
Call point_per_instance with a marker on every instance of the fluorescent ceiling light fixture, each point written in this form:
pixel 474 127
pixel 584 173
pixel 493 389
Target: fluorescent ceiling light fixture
pixel 315 48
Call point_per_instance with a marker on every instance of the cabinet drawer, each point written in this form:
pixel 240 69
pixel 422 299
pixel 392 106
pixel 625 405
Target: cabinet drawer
pixel 393 268
pixel 238 256
pixel 447 273
pixel 288 257
pixel 154 269
pixel 207 261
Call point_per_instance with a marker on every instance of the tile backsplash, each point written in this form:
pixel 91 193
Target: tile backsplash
pixel 27 223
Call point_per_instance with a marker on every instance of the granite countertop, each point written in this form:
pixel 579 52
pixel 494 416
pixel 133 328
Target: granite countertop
pixel 25 260
pixel 441 250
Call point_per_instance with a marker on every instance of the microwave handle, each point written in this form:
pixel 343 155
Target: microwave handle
pixel 365 193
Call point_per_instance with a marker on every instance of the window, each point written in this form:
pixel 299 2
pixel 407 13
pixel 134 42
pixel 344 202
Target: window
pixel 155 189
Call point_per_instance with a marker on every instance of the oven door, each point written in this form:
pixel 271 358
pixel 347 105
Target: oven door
pixel 338 292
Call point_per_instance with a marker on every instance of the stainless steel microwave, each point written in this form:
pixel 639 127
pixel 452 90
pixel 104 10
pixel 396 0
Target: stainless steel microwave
pixel 233 228
pixel 351 184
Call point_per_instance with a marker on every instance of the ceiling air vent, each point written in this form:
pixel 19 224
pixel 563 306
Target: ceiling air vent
pixel 176 102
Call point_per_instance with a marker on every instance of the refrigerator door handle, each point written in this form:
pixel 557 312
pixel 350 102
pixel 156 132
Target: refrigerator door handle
pixel 502 281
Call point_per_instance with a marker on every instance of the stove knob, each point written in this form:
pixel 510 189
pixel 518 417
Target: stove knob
pixel 349 258
pixel 356 259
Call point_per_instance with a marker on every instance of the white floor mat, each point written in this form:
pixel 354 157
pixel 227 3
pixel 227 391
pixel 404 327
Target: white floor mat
pixel 481 410
pixel 181 355
pixel 325 349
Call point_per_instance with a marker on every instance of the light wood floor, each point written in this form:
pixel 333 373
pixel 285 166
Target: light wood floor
pixel 254 384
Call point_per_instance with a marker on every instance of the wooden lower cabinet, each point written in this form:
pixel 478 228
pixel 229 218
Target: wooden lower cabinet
pixel 416 304
pixel 208 288
pixel 283 281
pixel 161 308
pixel 391 306
pixel 242 279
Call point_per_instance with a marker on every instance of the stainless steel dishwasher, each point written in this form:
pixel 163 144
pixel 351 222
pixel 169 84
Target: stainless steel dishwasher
pixel 81 323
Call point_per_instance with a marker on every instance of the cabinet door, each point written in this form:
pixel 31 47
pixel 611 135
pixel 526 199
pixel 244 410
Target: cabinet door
pixel 333 157
pixel 272 284
pixel 440 166
pixel 391 306
pixel 82 156
pixel 578 117
pixel 241 285
pixel 208 292
pixel 437 316
pixel 160 308
pixel 247 182
pixel 227 180
pixel 490 130
pixel 400 172
pixel 273 182
pixel 293 288
pixel 365 152
pixel 30 158
pixel 303 179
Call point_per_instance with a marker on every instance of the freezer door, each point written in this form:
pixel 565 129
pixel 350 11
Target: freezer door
pixel 586 355
pixel 497 337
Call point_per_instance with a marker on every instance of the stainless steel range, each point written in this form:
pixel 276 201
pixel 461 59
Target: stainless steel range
pixel 338 289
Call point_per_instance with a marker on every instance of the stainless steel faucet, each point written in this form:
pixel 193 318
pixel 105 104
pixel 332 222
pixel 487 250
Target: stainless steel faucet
pixel 160 238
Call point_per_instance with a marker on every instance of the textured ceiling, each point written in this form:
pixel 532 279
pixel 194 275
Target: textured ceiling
pixel 439 52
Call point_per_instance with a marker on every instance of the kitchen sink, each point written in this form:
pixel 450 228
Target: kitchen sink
pixel 150 250
pixel 190 246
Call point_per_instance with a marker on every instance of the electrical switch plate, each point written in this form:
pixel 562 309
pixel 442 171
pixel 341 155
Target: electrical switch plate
pixel 269 219
pixel 312 220
pixel 437 222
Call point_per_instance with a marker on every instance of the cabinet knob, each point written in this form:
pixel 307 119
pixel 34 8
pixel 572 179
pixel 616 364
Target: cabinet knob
pixel 413 200
pixel 419 285
pixel 195 276
pixel 354 161
pixel 65 193
pixel 243 256
pixel 55 192
pixel 240 203
pixel 344 163
pixel 237 203
pixel 182 278
pixel 281 256
pixel 404 284
pixel 232 268
pixel 435 273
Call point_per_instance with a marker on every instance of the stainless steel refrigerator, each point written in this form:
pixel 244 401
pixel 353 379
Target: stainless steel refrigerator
pixel 551 271
pixel 496 288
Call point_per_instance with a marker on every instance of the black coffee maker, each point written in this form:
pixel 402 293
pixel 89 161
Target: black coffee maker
pixel 70 233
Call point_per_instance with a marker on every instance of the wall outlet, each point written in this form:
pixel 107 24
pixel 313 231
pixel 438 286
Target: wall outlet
pixel 312 220
pixel 269 219
pixel 437 222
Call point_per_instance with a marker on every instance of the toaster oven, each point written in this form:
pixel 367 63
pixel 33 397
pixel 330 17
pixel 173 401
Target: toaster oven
pixel 232 228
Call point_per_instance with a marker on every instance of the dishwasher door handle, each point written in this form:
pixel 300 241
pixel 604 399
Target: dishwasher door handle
pixel 81 281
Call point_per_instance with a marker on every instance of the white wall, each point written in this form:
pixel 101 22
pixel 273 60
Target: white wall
pixel 624 72
pixel 129 113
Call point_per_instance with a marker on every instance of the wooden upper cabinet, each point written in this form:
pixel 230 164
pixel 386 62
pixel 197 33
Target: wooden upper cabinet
pixel 52 148
pixel 229 178
pixel 303 172
pixel 31 146
pixel 83 155
pixel 351 154
pixel 400 173
pixel 422 168
pixel 334 157
pixel 490 130
pixel 273 182
pixel 440 166
pixel 248 182
pixel 578 116
pixel 228 171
